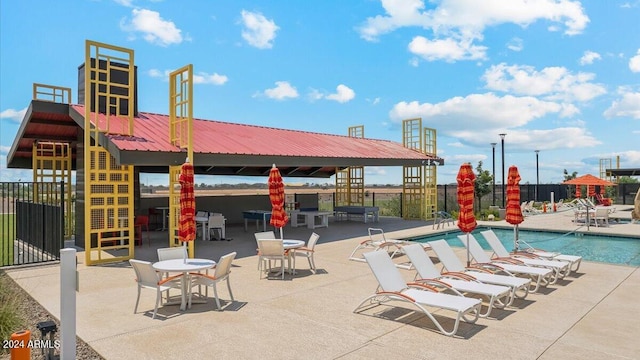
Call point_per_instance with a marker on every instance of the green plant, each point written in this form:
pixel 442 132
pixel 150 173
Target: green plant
pixel 10 321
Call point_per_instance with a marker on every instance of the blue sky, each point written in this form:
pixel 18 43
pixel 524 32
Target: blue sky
pixel 558 76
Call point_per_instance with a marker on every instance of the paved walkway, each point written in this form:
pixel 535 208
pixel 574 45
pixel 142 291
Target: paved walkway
pixel 592 314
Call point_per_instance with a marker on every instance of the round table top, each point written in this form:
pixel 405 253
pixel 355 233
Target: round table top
pixel 179 265
pixel 292 244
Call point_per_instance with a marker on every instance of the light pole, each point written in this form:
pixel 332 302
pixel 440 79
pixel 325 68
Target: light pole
pixel 503 193
pixel 493 148
pixel 537 174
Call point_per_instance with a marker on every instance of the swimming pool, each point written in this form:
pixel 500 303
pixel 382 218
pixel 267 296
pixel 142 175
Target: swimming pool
pixel 607 249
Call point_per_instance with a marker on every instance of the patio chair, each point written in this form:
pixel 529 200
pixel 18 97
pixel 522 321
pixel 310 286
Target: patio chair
pixel 573 260
pixel 453 266
pixel 217 222
pixel 442 218
pixel 223 269
pixel 497 296
pixel 148 278
pixel 560 268
pixel 392 287
pixel 601 217
pixel 308 251
pixel 270 250
pixel 539 276
pixel 603 200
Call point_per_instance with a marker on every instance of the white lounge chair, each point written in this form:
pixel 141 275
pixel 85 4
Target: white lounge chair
pixel 539 276
pixel 560 268
pixel 453 266
pixel 500 250
pixel 392 287
pixel 377 241
pixel 496 295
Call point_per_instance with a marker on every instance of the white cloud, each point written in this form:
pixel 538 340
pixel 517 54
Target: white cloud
pixel 199 78
pixel 13 115
pixel 204 78
pixel 127 3
pixel 343 94
pixel 154 28
pixel 446 49
pixel 283 90
pixel 258 31
pixel 627 106
pixel 553 83
pixel 634 63
pixel 467 116
pixel 515 44
pixel 375 170
pixel 463 21
pixel 589 57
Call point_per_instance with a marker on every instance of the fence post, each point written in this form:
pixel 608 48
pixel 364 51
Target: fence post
pixel 68 303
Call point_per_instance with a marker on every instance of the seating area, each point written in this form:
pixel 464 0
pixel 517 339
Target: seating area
pixel 586 305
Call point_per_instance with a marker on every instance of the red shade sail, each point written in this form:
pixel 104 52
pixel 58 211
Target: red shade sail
pixel 187 224
pixel 276 196
pixel 514 211
pixel 466 192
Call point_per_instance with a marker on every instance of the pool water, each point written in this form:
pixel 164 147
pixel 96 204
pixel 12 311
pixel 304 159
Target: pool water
pixel 606 249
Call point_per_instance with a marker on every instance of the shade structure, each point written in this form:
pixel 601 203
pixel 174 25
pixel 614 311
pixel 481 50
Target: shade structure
pixel 187 221
pixel 514 211
pixel 279 216
pixel 591 190
pixel 588 180
pixel 466 192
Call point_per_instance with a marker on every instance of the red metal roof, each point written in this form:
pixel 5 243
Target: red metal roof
pixel 151 133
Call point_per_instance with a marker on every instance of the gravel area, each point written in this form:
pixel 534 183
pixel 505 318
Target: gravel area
pixel 33 313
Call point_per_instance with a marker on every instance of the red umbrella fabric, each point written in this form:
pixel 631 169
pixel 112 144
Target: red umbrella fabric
pixel 279 216
pixel 187 224
pixel 466 192
pixel 514 211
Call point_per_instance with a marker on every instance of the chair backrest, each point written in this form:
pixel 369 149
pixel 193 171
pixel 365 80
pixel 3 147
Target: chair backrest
pixel 313 239
pixel 271 247
pixel 223 267
pixel 376 235
pixel 142 220
pixel 145 273
pixel 216 221
pixel 178 252
pixel 388 276
pixel 202 214
pixel 602 213
pixel 447 257
pixel 265 235
pixel 475 249
pixel 495 243
pixel 421 261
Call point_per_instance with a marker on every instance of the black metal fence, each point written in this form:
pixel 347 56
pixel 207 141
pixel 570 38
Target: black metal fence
pixel 31 222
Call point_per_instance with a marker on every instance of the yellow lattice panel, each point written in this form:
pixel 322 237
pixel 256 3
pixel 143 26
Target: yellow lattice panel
pixel 109 194
pixel 412 133
pixel 342 187
pixel 181 136
pixel 57 94
pixel 412 192
pixel 356 185
pixel 51 163
pixel 430 179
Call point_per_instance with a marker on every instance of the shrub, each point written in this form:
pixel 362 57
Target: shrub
pixel 9 318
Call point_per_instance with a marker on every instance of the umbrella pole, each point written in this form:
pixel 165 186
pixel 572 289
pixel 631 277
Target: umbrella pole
pixel 468 261
pixel 184 244
pixel 281 236
pixel 515 238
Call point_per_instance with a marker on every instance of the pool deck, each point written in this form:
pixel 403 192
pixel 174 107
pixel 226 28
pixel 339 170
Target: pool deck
pixel 591 314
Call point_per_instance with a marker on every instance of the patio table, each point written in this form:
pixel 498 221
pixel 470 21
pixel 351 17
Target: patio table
pixel 180 265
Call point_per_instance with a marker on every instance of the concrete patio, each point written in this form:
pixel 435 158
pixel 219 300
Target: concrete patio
pixel 591 314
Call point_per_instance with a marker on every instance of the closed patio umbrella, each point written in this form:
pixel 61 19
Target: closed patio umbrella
pixel 466 192
pixel 514 211
pixel 279 216
pixel 187 223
